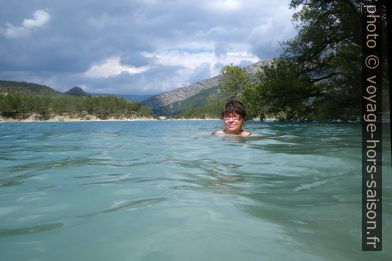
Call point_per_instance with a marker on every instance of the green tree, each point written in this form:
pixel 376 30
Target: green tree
pixel 328 50
pixel 318 74
pixel 283 92
pixel 234 80
pixel 236 83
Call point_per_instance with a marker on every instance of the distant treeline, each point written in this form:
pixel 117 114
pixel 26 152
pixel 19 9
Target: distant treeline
pixel 19 105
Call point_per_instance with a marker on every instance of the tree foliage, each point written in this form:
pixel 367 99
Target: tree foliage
pixel 236 83
pixel 285 92
pixel 234 80
pixel 328 50
pixel 318 74
pixel 19 105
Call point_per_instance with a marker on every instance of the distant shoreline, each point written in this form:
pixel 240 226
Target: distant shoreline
pixel 93 119
pixel 62 118
pixel 90 118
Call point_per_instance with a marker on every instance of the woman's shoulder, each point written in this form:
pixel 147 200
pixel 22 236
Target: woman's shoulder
pixel 252 135
pixel 242 134
pixel 219 132
pixel 245 133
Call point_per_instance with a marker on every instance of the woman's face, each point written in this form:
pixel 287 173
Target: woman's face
pixel 233 123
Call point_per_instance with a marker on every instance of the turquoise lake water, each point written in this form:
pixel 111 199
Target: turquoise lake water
pixel 168 190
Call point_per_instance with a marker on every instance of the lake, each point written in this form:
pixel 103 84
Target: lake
pixel 169 190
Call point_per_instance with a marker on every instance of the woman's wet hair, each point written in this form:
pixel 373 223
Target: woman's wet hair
pixel 235 107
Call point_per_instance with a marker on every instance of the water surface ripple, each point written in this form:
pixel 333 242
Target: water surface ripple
pixel 169 190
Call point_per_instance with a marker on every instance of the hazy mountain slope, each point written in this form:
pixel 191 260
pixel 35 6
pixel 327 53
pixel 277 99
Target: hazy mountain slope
pixel 194 101
pixel 180 94
pixel 182 99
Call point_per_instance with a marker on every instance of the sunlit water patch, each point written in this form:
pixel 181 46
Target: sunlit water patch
pixel 169 190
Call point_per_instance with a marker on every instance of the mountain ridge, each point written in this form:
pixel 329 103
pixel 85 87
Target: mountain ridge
pixel 27 88
pixel 159 103
pixel 8 86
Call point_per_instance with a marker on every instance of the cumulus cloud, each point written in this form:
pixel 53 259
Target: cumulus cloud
pixel 266 36
pixel 193 60
pixel 112 67
pixel 40 18
pixel 136 47
pixel 15 31
pixel 224 5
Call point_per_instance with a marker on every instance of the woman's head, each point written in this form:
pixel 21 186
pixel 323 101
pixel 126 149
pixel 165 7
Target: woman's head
pixel 234 107
pixel 234 116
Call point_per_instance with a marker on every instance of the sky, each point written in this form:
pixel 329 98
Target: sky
pixel 136 47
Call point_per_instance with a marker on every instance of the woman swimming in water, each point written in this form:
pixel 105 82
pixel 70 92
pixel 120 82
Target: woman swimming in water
pixel 234 117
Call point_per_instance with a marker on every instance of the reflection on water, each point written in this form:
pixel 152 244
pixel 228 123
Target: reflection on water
pixel 168 191
pixel 29 230
pixel 133 204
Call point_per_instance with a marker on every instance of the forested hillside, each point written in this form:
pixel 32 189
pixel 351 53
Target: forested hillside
pixel 27 88
pixel 22 100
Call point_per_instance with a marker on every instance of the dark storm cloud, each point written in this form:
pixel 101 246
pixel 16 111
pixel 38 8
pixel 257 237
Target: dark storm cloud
pixel 159 45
